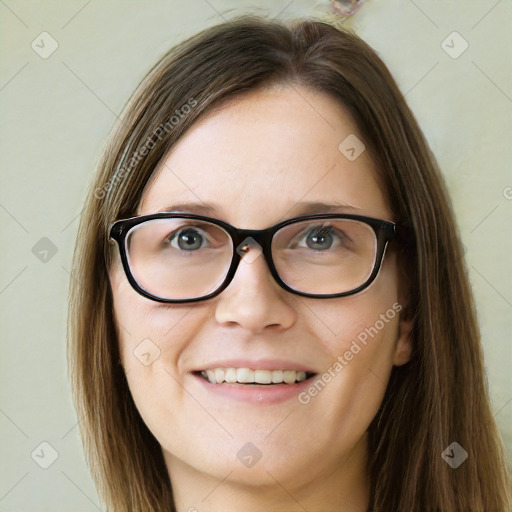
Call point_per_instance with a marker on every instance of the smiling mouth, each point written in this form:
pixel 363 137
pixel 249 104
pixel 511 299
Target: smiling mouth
pixel 249 376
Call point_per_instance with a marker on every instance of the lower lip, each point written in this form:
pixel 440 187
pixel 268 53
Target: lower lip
pixel 256 393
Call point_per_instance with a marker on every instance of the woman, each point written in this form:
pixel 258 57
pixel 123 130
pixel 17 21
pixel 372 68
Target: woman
pixel 269 308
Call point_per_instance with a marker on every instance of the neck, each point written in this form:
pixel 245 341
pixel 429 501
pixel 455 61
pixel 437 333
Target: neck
pixel 342 486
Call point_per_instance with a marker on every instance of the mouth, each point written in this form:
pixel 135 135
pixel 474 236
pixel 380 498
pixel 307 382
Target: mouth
pixel 254 377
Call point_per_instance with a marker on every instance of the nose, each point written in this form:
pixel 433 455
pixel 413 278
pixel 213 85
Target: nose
pixel 253 300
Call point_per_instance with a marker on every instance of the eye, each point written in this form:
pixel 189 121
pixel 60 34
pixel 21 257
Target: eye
pixel 187 239
pixel 323 238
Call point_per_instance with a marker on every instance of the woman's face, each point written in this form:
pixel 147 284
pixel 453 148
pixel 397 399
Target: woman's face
pixel 256 162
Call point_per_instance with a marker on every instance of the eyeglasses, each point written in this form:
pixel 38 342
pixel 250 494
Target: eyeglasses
pixel 181 257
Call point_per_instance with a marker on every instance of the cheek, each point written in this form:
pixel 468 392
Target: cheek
pixel 338 322
pixel 148 362
pixel 143 325
pixel 144 331
pixel 152 339
pixel 348 394
pixel 360 336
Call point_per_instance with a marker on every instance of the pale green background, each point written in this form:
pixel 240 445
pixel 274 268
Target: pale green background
pixel 56 113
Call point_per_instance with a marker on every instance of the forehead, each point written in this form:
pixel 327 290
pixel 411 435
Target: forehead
pixel 255 161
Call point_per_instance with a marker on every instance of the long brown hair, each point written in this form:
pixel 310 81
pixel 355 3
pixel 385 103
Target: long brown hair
pixel 439 397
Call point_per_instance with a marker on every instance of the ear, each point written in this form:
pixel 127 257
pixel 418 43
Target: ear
pixel 403 346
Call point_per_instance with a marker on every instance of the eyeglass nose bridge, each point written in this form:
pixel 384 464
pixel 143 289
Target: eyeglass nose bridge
pixel 243 239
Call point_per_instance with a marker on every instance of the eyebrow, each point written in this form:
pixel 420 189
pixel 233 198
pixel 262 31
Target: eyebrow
pixel 301 208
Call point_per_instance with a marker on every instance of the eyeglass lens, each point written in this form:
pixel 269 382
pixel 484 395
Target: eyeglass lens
pixel 176 258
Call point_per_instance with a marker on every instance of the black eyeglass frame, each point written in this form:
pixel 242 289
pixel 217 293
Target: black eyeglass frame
pixel 384 230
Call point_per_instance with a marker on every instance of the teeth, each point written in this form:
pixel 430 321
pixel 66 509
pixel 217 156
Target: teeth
pixel 220 374
pixel 277 376
pixel 248 376
pixel 244 375
pixel 289 376
pixel 262 376
pixel 230 375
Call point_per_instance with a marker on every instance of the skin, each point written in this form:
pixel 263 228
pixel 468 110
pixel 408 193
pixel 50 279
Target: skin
pixel 242 157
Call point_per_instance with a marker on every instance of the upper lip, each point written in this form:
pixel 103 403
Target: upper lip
pixel 257 364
